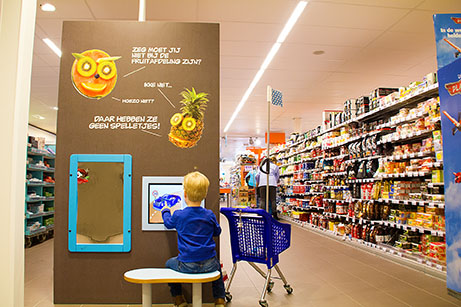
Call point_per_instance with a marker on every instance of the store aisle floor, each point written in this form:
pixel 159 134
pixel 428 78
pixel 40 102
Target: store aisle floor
pixel 325 272
pixel 322 272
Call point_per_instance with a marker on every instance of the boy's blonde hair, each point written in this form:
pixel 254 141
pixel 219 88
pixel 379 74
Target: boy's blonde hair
pixel 196 186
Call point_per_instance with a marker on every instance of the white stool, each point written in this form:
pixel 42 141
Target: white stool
pixel 147 277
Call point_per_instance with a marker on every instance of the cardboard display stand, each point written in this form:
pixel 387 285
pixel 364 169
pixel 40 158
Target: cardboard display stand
pixel 448 43
pixel 120 85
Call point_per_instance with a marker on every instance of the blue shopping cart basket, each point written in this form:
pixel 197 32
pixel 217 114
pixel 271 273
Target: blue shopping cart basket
pixel 256 237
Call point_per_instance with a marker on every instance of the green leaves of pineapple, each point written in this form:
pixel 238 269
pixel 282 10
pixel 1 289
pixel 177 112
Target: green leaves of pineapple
pixel 194 104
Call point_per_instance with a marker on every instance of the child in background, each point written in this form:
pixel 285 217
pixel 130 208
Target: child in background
pixel 196 227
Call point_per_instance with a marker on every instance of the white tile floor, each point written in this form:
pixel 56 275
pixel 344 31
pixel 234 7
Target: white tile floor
pixel 322 272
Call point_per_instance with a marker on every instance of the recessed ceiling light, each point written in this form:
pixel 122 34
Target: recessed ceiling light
pixel 55 108
pixel 318 52
pixel 53 46
pixel 38 116
pixel 47 7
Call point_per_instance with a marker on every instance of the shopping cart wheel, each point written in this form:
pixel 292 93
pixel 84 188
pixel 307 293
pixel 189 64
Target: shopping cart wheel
pixel 263 303
pixel 270 286
pixel 288 288
pixel 228 297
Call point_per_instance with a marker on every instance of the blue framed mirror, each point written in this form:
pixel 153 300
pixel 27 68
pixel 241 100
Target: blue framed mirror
pixel 100 203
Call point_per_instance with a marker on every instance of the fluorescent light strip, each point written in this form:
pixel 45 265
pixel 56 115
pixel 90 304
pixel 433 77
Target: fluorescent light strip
pixel 52 46
pixel 291 21
pixel 275 48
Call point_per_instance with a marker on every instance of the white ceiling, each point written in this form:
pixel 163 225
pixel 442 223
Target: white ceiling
pixel 367 44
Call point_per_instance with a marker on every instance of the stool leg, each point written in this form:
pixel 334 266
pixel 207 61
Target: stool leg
pixel 196 295
pixel 146 295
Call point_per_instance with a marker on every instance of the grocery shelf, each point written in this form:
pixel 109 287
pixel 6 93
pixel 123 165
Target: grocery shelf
pixel 338 157
pixel 403 120
pixel 365 159
pixel 380 126
pixel 301 194
pixel 334 200
pixel 411 228
pixel 436 184
pixel 410 137
pixel 336 186
pixel 352 139
pixel 363 180
pixel 405 175
pixel 414 202
pixel 420 263
pixel 334 174
pixel 409 156
pixel 417 96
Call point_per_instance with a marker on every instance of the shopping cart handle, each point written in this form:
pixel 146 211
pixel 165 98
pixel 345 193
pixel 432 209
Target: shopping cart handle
pixel 245 210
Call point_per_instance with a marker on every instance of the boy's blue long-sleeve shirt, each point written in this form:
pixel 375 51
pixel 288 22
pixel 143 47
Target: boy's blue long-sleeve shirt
pixel 196 227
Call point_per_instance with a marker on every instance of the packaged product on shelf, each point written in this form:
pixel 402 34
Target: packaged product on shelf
pixel 437 176
pixel 439 223
pixel 437 251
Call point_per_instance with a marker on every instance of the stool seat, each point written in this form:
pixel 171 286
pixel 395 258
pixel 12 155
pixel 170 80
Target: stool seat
pixel 165 275
pixel 148 276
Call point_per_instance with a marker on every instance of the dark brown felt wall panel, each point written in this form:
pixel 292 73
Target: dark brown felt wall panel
pixel 98 277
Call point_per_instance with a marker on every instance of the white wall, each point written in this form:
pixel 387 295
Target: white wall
pixel 50 139
pixel 17 27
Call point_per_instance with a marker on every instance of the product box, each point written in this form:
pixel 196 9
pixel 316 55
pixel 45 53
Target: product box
pixel 243 199
pixel 430 78
pixel 382 92
pixel 439 156
pixel 363 105
pixel 437 176
pixel 40 143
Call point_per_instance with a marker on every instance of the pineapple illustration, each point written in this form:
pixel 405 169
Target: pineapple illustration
pixel 186 127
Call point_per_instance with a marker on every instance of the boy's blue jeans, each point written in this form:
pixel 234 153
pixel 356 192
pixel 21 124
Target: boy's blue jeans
pixel 204 266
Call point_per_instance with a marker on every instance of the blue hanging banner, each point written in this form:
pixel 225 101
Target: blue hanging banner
pixel 447 38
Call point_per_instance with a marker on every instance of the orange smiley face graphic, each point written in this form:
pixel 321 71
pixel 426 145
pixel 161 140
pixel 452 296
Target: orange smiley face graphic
pixel 94 73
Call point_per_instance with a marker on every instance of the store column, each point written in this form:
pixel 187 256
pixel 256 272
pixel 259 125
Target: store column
pixel 17 25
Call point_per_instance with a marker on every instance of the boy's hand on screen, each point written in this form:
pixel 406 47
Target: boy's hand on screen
pixel 165 209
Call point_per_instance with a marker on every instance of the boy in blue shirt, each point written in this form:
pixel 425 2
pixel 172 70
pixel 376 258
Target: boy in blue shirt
pixel 196 227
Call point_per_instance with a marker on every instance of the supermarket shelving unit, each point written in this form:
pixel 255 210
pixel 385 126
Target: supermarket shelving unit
pixel 39 204
pixel 315 179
